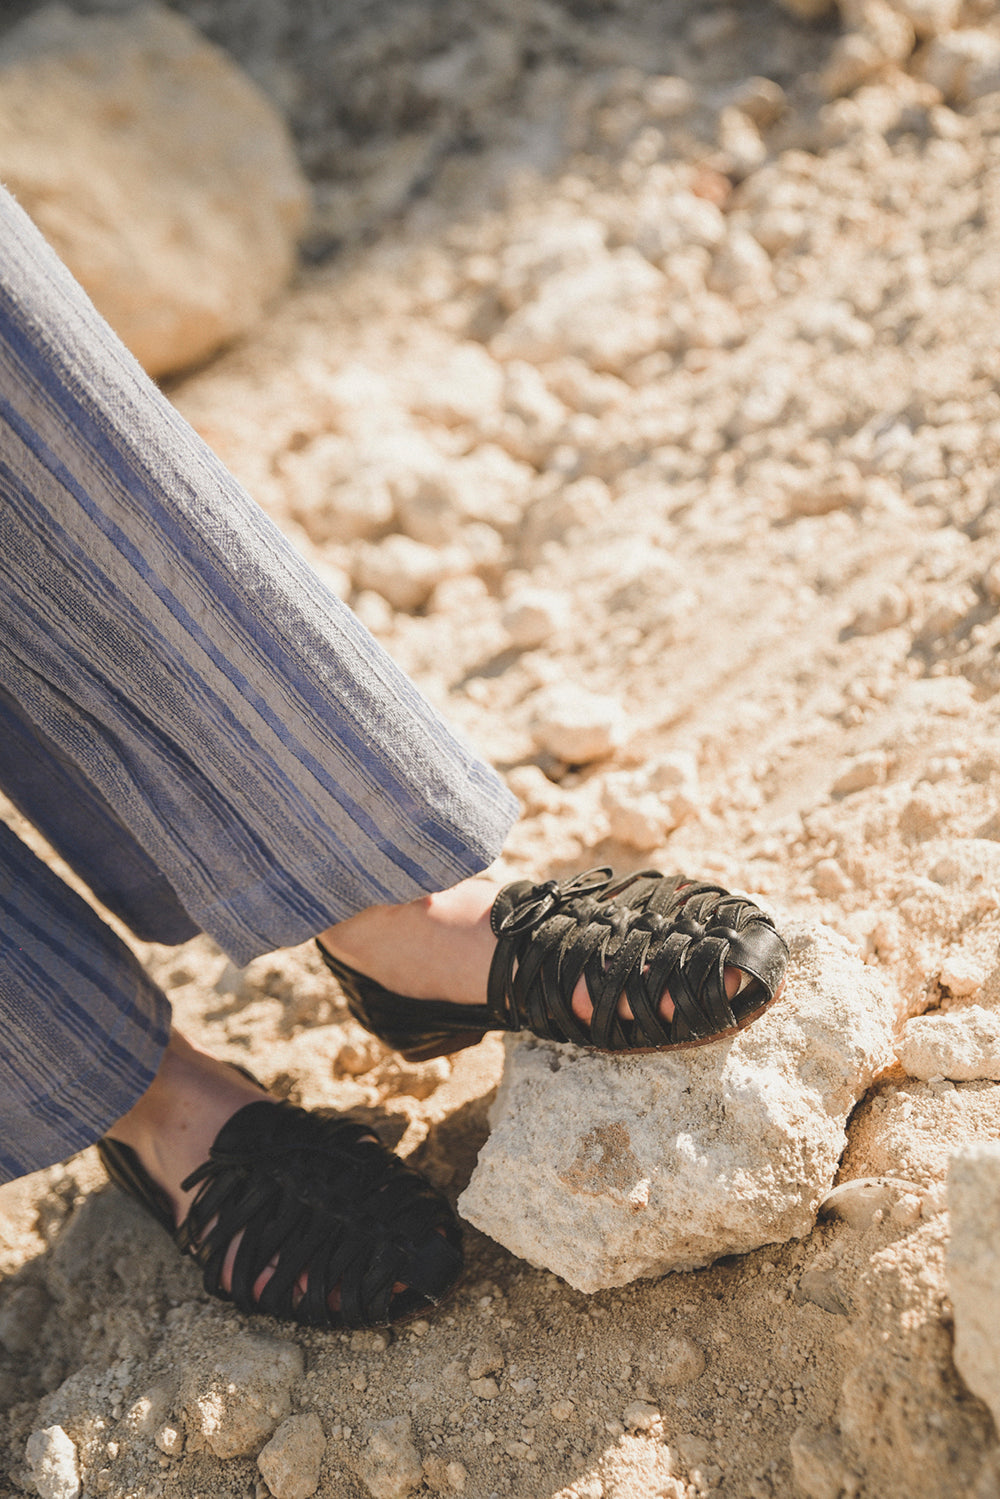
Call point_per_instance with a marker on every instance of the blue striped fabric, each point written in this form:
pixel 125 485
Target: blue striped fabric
pixel 246 740
pixel 83 1026
pixel 64 806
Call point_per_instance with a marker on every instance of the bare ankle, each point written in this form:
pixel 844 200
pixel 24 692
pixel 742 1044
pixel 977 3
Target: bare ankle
pixel 172 1126
pixel 438 946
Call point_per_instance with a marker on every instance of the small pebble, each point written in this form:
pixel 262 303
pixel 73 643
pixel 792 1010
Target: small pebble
pixel 169 1440
pixel 290 1462
pixel 531 617
pixel 53 1461
pixel 576 725
pixel 961 976
pixel 640 1416
pixel 487 1358
pixel 829 880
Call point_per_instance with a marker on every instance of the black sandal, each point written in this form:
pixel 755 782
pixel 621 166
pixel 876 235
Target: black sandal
pixel 640 936
pixel 323 1195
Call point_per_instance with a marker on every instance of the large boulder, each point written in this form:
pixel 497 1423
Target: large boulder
pixel 156 169
pixel 634 1166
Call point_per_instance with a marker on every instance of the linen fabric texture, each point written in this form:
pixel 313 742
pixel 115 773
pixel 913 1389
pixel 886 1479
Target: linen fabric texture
pixel 198 726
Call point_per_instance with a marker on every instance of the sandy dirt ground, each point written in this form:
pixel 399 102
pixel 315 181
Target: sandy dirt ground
pixel 630 354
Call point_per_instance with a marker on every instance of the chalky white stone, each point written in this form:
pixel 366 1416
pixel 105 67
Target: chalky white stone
pixel 606 312
pixel 235 1406
pixel 577 725
pixel 290 1463
pixel 405 572
pixel 962 1045
pixel 929 17
pixel 635 1166
pixel 643 805
pixel 973 1268
pixel 531 616
pixel 390 1465
pixel 964 64
pixel 52 1458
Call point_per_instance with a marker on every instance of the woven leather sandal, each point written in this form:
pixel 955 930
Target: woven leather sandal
pixel 322 1195
pixel 640 936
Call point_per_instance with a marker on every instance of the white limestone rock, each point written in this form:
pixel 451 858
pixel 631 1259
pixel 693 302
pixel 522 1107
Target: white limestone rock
pixel 741 269
pixel 961 1045
pixel 880 34
pixel 158 171
pixel 961 975
pixel 390 1465
pixel 232 1408
pixel 290 1462
pixel 406 572
pixel 870 769
pixel 829 879
pixel 333 496
pixel 668 224
pixel 929 17
pixel 973 1268
pixel 639 1415
pixel 639 819
pixel 740 142
pixel 630 1167
pixel 545 248
pixel 531 616
pixel 606 313
pixel 577 725
pixel 467 388
pixel 644 805
pixel 53 1461
pixel 964 65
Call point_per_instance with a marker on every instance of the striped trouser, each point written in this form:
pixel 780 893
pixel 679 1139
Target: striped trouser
pixel 207 736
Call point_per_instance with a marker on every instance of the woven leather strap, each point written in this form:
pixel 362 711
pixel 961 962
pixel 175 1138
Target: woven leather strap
pixel 644 936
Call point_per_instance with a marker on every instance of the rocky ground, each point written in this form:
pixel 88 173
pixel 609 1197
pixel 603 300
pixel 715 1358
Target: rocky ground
pixel 641 394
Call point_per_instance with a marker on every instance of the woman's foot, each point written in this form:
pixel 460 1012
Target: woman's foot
pixel 171 1130
pixel 441 947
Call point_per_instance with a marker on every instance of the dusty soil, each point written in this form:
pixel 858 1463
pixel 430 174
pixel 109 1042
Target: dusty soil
pixel 613 304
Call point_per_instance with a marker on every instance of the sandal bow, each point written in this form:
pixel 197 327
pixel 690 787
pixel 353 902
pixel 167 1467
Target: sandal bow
pixel 549 896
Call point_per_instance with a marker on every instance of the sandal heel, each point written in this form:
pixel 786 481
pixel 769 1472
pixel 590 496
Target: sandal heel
pixel 442 1046
pixel 446 1027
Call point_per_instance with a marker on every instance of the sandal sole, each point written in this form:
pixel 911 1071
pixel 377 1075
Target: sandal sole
pixel 465 1039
